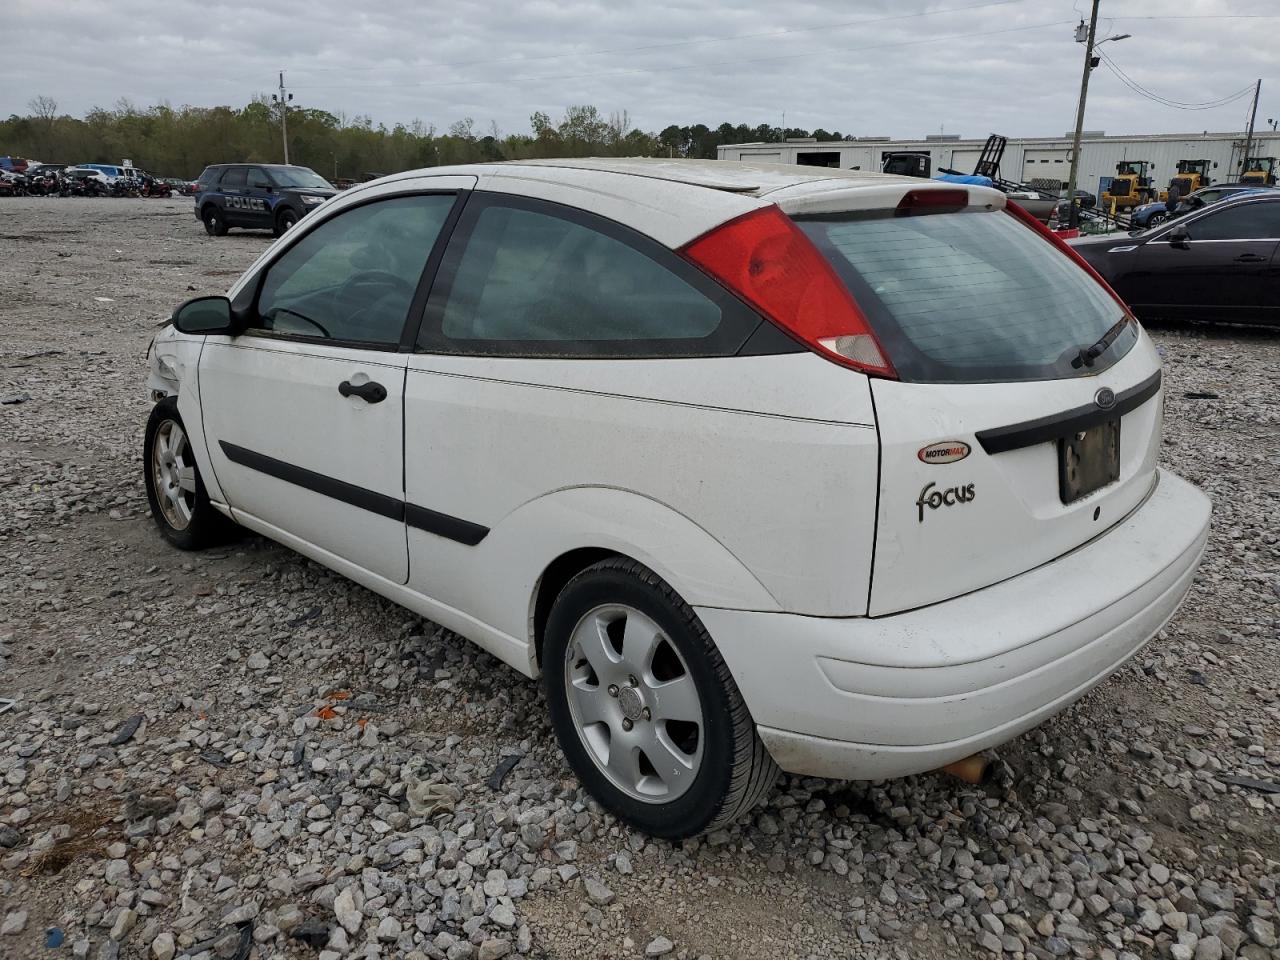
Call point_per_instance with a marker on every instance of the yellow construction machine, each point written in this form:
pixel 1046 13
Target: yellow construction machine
pixel 1191 175
pixel 1131 186
pixel 1260 171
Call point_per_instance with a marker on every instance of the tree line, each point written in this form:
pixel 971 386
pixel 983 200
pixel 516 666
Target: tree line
pixel 181 141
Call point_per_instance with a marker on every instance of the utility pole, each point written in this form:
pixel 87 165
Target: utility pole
pixel 283 99
pixel 1248 137
pixel 1084 92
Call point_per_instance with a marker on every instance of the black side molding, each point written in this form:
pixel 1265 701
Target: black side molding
pixel 378 503
pixel 1045 429
pixel 441 524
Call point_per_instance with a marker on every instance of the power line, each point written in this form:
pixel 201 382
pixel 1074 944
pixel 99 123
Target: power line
pixel 1142 91
pixel 685 43
pixel 702 66
pixel 1206 16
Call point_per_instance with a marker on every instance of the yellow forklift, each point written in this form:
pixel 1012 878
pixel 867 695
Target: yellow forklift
pixel 1131 186
pixel 1191 175
pixel 1260 171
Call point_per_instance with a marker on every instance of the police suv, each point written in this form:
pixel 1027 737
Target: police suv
pixel 257 195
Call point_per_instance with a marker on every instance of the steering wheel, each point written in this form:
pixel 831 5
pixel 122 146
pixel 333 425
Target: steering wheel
pixel 373 278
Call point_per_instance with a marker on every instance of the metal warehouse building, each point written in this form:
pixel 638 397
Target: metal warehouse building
pixel 1039 158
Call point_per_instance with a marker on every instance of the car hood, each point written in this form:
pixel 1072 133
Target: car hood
pixel 311 192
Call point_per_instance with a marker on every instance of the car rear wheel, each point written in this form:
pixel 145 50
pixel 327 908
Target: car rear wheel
pixel 644 707
pixel 286 219
pixel 175 491
pixel 214 225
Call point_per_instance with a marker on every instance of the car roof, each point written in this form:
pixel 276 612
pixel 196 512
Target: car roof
pixel 731 176
pixel 675 201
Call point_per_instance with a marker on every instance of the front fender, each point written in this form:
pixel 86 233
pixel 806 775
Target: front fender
pixel 174 359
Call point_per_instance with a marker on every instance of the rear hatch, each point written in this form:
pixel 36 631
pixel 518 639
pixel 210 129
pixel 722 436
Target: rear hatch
pixel 1025 417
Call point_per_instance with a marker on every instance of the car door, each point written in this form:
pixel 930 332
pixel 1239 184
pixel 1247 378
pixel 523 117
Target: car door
pixel 303 412
pixel 260 197
pixel 1212 266
pixel 233 187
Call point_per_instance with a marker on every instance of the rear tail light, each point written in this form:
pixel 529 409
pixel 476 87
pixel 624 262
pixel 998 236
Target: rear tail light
pixel 1022 214
pixel 764 258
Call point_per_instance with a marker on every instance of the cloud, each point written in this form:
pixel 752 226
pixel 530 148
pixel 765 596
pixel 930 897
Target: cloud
pixel 867 67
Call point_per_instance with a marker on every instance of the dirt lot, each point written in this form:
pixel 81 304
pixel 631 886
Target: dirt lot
pixel 211 754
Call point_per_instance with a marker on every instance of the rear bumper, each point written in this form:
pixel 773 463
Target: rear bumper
pixel 861 698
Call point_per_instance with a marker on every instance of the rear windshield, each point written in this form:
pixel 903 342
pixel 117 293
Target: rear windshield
pixel 971 297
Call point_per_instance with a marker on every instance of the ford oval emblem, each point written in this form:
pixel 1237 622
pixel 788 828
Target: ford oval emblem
pixel 948 451
pixel 1105 398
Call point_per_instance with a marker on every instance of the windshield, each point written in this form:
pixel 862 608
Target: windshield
pixel 299 177
pixel 971 297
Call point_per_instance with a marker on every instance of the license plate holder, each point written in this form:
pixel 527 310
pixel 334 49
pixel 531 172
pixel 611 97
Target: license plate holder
pixel 1088 460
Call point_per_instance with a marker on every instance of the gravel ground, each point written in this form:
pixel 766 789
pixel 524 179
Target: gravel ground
pixel 239 754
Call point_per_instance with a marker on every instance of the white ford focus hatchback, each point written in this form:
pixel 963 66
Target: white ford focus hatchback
pixel 756 466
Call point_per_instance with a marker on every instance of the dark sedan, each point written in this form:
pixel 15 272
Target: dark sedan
pixel 1219 263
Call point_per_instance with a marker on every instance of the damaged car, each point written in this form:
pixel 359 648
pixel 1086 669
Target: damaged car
pixel 756 468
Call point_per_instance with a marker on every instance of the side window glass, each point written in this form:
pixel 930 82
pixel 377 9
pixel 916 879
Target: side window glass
pixel 545 282
pixel 258 178
pixel 233 178
pixel 353 277
pixel 1249 221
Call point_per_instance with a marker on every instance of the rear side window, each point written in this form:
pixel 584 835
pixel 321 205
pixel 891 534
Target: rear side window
pixel 529 278
pixel 235 177
pixel 1246 221
pixel 970 297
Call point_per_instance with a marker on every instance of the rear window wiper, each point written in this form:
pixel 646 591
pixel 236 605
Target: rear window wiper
pixel 1087 355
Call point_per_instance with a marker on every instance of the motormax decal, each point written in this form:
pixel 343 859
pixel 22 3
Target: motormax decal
pixel 948 451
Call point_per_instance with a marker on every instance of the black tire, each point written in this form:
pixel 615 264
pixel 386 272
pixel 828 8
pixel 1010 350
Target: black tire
pixel 206 526
pixel 735 771
pixel 1156 219
pixel 286 220
pixel 214 225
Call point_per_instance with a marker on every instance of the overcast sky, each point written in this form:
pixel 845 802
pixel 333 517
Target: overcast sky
pixel 902 68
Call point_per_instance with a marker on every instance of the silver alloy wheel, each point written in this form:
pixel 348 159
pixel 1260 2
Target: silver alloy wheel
pixel 173 474
pixel 634 703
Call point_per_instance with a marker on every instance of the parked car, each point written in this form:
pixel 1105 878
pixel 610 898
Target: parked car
pixel 46 169
pixel 722 452
pixel 86 181
pixel 258 195
pixel 112 172
pixel 1152 214
pixel 1218 263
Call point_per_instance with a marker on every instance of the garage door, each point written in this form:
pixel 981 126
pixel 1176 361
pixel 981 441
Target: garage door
pixel 1046 164
pixel 763 157
pixel 963 161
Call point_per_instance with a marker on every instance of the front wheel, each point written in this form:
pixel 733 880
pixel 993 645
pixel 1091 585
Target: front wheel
pixel 1156 219
pixel 214 225
pixel 644 707
pixel 286 220
pixel 175 490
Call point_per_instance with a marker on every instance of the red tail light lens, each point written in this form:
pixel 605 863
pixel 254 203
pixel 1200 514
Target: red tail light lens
pixel 1022 214
pixel 933 201
pixel 764 258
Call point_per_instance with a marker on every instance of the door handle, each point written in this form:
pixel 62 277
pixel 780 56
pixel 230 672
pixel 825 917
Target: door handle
pixel 1250 258
pixel 370 392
